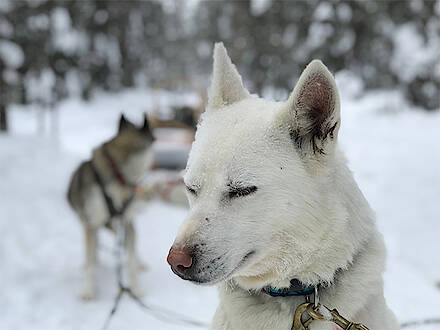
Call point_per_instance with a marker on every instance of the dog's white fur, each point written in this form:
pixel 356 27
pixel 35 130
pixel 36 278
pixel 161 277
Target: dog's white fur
pixel 307 220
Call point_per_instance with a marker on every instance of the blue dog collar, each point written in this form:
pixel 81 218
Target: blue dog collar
pixel 296 289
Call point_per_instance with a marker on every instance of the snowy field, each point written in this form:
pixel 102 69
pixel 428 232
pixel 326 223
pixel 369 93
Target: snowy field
pixel 392 149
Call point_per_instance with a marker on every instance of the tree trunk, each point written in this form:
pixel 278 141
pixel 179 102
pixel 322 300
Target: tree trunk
pixel 3 118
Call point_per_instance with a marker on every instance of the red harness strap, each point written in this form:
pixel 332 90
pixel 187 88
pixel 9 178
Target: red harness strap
pixel 119 176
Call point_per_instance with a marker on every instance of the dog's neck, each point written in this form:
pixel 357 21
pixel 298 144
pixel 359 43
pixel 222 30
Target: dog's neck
pixel 301 292
pixel 117 173
pixel 359 227
pixel 107 164
pixel 297 288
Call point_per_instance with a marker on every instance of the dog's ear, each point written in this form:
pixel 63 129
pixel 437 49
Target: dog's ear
pixel 124 123
pixel 226 86
pixel 146 126
pixel 314 110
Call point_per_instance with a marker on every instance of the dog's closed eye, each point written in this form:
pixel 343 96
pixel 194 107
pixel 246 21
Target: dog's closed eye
pixel 238 191
pixel 191 190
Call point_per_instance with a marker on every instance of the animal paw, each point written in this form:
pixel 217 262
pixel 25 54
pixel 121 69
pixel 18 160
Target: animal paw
pixel 88 294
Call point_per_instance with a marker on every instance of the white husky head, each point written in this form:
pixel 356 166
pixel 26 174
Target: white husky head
pixel 260 180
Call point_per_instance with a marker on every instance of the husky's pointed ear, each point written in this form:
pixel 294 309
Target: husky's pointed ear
pixel 314 110
pixel 146 126
pixel 226 86
pixel 124 123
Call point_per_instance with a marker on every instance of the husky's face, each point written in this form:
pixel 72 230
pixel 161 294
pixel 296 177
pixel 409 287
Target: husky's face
pixel 254 179
pixel 133 145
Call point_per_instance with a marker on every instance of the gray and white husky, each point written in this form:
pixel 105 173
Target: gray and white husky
pixel 103 190
pixel 273 203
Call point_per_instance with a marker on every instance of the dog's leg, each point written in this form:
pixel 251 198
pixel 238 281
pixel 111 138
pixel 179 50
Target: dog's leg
pixel 132 259
pixel 139 263
pixel 91 242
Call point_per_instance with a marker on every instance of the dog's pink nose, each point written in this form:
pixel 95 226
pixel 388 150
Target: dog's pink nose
pixel 179 258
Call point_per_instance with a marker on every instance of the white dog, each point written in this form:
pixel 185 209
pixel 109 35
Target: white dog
pixel 274 210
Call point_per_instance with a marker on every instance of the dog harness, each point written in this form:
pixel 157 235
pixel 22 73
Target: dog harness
pixel 118 174
pixel 111 207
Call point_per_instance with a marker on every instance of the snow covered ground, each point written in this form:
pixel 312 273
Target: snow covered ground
pixel 392 149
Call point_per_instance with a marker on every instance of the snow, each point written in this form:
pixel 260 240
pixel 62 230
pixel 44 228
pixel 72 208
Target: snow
pixel 6 28
pixel 5 6
pixel 259 7
pixel 11 54
pixel 42 250
pixel 65 38
pixel 323 11
pixel 318 34
pixel 39 86
pixel 408 63
pixel 343 12
pixel 38 22
pixel 392 149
